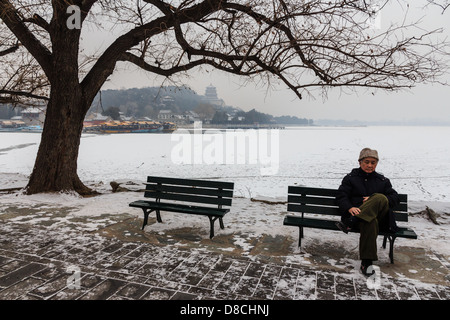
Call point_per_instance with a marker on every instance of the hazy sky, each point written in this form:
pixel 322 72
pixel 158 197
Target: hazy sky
pixel 421 102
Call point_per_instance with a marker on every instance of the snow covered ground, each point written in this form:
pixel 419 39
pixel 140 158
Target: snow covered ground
pixel 414 158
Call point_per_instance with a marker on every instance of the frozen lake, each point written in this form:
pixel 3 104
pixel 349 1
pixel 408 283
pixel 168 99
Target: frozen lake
pixel 261 163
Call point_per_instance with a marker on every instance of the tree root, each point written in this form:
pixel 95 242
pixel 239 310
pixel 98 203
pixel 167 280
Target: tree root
pixel 429 213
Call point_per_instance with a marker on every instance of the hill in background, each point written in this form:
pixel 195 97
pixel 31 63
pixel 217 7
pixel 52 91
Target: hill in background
pixel 148 102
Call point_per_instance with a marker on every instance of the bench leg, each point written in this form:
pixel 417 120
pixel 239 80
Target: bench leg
pixel 300 236
pixel 391 246
pixel 391 249
pixel 146 213
pixel 211 226
pixel 158 216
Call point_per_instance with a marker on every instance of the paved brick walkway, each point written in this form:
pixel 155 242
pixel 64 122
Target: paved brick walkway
pixel 57 264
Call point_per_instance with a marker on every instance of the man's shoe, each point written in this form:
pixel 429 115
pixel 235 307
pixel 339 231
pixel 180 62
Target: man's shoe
pixel 366 268
pixel 343 227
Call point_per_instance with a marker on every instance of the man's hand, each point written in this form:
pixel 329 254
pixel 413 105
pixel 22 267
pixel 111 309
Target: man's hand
pixel 354 211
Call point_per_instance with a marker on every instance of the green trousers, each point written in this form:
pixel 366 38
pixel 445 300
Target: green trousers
pixel 372 211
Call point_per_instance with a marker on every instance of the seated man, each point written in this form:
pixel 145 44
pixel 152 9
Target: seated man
pixel 365 198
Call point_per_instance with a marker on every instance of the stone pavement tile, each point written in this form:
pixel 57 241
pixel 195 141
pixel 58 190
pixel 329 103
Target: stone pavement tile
pixel 51 287
pixel 87 282
pixel 133 291
pixel 20 289
pixel 104 290
pixel 363 292
pixel 183 296
pixel 325 281
pixel 222 264
pixel 306 285
pixel 246 286
pixel 268 282
pixel 344 287
pixel 19 274
pixel 194 276
pixel 427 293
pixel 229 281
pixel 13 264
pixel 386 290
pixel 174 285
pixel 158 294
pixel 322 294
pixel 211 279
pixel 405 290
pixel 443 292
pixel 286 286
pixel 254 269
pixel 69 294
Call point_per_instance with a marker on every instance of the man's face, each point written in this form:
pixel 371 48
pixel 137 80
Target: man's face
pixel 368 164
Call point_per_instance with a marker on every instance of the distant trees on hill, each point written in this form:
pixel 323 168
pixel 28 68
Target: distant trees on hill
pixel 147 102
pixel 253 116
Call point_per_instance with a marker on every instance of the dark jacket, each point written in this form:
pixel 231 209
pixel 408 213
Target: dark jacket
pixel 358 184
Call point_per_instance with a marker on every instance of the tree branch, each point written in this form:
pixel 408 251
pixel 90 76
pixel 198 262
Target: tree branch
pixel 9 50
pixel 11 18
pixel 14 93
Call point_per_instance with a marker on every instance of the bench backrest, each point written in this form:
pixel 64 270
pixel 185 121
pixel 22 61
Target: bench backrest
pixel 323 201
pixel 190 190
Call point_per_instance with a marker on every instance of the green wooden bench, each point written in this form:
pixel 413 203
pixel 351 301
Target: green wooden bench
pixel 315 203
pixel 178 195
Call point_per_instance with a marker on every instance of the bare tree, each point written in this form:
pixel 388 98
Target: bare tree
pixel 304 44
pixel 21 78
pixel 443 4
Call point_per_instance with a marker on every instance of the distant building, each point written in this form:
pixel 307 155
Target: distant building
pixel 177 118
pixel 165 115
pixel 96 118
pixel 33 115
pixel 211 96
pixel 167 101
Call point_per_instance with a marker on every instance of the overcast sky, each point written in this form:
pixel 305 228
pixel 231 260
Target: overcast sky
pixel 422 102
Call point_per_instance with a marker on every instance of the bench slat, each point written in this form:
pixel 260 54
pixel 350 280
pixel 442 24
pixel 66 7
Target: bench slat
pixel 191 182
pixel 188 198
pixel 309 222
pixel 189 190
pixel 401 207
pixel 312 200
pixel 328 192
pixel 179 208
pixel 401 216
pixel 333 211
pixel 312 191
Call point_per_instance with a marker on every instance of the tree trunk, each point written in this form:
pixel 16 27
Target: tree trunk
pixel 55 169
